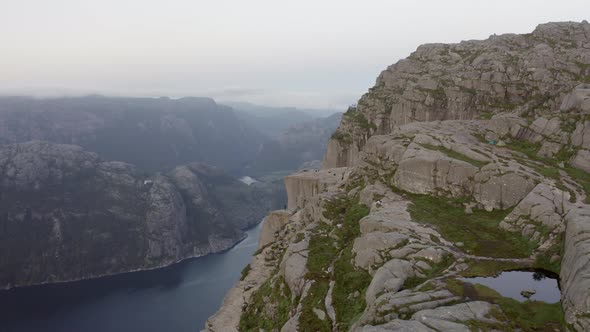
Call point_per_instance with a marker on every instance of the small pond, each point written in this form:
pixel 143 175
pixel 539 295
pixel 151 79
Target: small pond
pixel 511 283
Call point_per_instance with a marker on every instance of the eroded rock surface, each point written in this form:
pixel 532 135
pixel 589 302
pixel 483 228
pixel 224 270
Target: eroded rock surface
pixel 464 160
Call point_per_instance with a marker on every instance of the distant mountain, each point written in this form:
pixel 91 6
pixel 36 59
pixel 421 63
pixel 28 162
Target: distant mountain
pixel 154 134
pixel 273 121
pixel 298 144
pixel 67 214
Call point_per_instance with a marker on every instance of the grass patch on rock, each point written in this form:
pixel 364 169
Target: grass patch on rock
pixel 348 294
pixel 335 249
pixel 543 260
pixel 268 308
pixel 582 178
pixel 331 247
pixel 358 118
pixel 455 155
pixel 489 268
pixel 245 272
pixel 479 231
pixel 309 320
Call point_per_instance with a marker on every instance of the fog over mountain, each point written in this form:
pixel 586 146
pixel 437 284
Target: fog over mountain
pixel 304 54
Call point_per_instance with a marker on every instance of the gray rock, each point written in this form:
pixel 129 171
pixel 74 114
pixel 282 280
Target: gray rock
pixel 575 269
pixel 272 223
pixel 389 278
pixel 368 247
pixel 582 160
pixel 294 266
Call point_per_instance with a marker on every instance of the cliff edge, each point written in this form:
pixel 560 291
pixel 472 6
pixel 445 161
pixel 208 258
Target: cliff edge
pixel 464 160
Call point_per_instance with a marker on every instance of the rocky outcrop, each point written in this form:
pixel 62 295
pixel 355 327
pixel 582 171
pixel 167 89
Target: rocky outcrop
pixel 448 318
pixel 463 160
pixel 520 73
pixel 309 184
pixel 575 270
pixel 540 215
pixel 69 215
pixel 424 171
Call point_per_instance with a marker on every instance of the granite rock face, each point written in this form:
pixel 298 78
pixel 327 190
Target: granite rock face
pixel 575 273
pixel 69 215
pixel 469 80
pixel 464 160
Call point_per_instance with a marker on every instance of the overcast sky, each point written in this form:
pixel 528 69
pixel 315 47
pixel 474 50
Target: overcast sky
pixel 308 53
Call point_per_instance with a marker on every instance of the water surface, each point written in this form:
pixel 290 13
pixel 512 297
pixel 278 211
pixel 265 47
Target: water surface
pixel 511 283
pixel 176 298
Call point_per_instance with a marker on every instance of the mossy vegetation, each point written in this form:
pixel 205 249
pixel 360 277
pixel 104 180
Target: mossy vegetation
pixel 582 178
pixel 486 115
pixel 245 272
pixel 358 118
pixel 331 248
pixel 345 138
pixel 309 320
pixel 514 315
pixel 269 307
pixel 489 268
pixel 525 147
pixel 544 260
pixel 479 231
pixel 349 288
pixel 455 155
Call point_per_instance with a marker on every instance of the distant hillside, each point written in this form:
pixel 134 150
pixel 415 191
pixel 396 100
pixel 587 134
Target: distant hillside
pixel 273 121
pixel 153 134
pixel 300 143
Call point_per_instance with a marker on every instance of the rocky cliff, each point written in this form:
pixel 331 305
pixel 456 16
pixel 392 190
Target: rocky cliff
pixel 464 160
pixel 67 214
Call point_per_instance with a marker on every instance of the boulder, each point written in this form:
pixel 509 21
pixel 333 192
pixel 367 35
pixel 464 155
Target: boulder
pixel 582 160
pixel 424 171
pixel 389 278
pixel 501 191
pixel 294 266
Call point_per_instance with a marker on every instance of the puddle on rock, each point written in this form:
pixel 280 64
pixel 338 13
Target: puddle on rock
pixel 512 283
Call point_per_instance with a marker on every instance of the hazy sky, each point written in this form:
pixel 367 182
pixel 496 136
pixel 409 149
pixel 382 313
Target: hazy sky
pixel 302 53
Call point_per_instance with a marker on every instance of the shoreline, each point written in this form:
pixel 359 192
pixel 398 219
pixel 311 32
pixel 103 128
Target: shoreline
pixel 161 266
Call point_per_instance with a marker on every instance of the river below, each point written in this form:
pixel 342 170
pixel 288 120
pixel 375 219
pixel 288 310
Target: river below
pixel 177 298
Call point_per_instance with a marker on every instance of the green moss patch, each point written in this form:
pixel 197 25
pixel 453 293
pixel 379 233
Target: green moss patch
pixel 349 289
pixel 269 307
pixel 479 231
pixel 332 247
pixel 455 155
pixel 309 321
pixel 358 118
